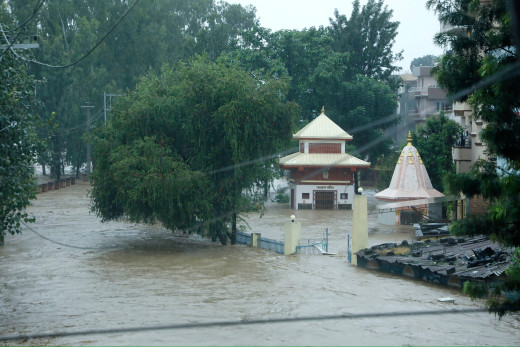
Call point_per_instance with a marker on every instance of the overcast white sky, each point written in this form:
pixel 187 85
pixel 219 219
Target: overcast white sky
pixel 417 26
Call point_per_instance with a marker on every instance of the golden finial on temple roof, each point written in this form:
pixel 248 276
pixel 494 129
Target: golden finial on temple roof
pixel 409 138
pixel 323 110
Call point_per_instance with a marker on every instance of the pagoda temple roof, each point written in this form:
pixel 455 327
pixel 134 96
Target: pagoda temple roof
pixel 410 180
pixel 322 128
pixel 322 159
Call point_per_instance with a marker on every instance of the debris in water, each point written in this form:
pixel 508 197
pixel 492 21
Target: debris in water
pixel 446 299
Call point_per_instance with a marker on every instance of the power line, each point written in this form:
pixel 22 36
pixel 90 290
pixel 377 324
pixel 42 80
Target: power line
pixel 241 323
pixel 86 54
pixel 36 8
pixel 64 244
pixel 97 116
pixel 10 44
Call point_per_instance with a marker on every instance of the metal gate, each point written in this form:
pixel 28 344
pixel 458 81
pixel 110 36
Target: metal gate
pixel 325 200
pixel 409 217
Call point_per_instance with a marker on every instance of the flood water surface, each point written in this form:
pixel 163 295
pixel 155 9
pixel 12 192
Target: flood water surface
pixel 119 276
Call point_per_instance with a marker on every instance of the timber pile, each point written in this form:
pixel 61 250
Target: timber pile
pixel 46 185
pixel 449 261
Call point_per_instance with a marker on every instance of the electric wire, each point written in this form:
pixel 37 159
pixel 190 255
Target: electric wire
pixel 36 8
pixel 10 44
pixel 85 55
pixel 65 244
pixel 505 73
pixel 347 316
pixel 81 126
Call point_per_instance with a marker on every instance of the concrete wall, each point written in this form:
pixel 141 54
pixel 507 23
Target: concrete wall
pixel 388 218
pixel 300 189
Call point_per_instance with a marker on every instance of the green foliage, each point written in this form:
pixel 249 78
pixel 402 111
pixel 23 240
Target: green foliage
pixel 149 184
pixel 18 141
pixel 502 297
pixel 482 47
pixel 345 67
pixel 385 167
pixel 502 221
pixel 155 32
pixel 211 128
pixel 434 141
pixel 426 60
pixel 324 64
pixel 368 37
pixel 282 198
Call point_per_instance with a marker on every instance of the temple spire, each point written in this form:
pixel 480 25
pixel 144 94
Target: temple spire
pixel 323 110
pixel 409 138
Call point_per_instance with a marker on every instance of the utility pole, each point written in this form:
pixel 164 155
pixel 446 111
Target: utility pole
pixel 14 46
pixel 88 107
pixel 105 94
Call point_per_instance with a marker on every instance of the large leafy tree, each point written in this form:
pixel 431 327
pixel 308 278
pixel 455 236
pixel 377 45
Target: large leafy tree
pixel 346 67
pixel 435 140
pixel 186 144
pixel 18 141
pixel 425 60
pixel 478 68
pixel 153 33
pixel 368 36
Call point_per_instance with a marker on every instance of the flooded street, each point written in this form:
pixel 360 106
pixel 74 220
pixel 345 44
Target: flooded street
pixel 119 276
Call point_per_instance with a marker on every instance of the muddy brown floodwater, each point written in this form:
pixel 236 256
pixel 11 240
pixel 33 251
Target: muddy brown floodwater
pixel 138 276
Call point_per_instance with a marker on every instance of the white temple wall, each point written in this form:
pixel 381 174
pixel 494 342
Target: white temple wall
pixel 388 218
pixel 304 194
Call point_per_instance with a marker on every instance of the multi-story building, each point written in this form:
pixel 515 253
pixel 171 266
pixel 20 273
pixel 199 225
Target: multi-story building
pixel 467 151
pixel 469 148
pixel 406 106
pixel 430 98
pixel 419 98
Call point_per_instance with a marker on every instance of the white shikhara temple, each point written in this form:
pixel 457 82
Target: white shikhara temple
pixel 321 173
pixel 410 181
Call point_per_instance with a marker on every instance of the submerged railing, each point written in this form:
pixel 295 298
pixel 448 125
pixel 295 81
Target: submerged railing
pixel 262 242
pixel 313 246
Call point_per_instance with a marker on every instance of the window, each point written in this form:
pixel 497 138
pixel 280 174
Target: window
pixel 344 196
pixel 305 195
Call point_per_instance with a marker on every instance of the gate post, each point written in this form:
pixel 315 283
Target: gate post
pixel 359 225
pixel 255 237
pixel 293 235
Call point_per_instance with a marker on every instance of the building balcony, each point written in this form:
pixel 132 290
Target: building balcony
pixel 436 93
pixel 430 92
pixel 461 107
pixel 462 153
pixel 420 117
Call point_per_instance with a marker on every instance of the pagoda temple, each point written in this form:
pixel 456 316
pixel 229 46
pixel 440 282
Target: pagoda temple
pixel 410 181
pixel 321 174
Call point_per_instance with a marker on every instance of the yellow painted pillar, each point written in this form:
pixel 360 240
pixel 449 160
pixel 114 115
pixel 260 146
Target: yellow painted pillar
pixel 293 235
pixel 359 225
pixel 254 239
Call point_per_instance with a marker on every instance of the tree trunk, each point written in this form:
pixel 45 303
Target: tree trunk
pixel 233 235
pixel 218 231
